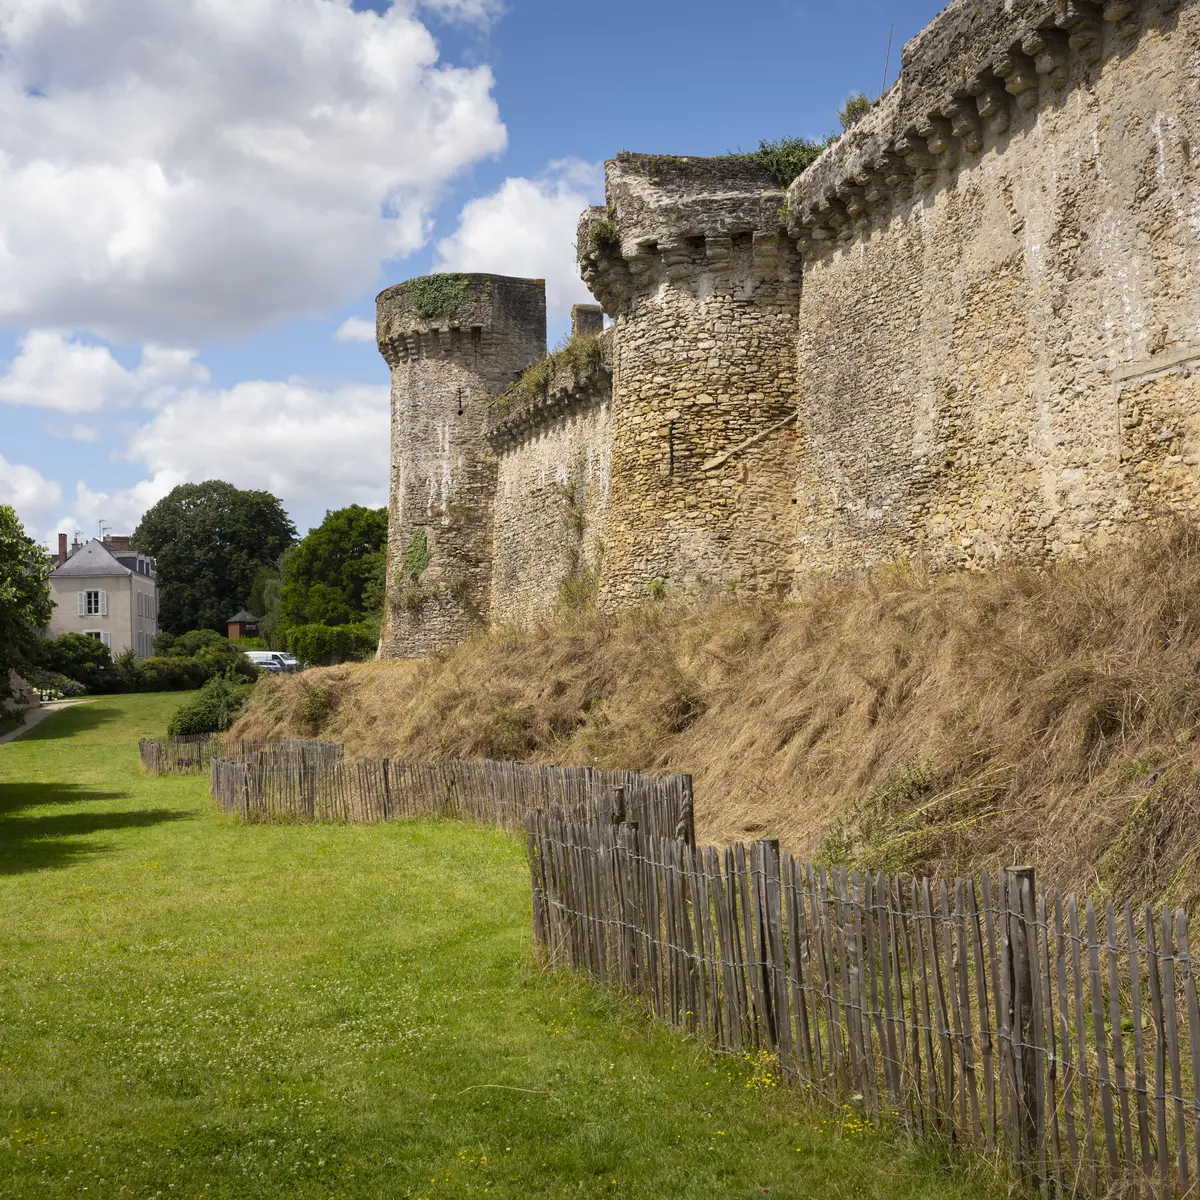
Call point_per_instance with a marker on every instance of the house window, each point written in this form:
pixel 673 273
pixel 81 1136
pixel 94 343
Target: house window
pixel 91 604
pixel 100 636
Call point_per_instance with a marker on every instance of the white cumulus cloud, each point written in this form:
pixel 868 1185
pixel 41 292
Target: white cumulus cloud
pixel 56 372
pixel 28 491
pixel 174 170
pixel 314 447
pixel 355 329
pixel 527 228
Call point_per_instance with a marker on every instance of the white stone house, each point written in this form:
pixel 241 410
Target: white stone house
pixel 110 594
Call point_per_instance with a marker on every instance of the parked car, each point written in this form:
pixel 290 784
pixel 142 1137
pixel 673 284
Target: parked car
pixel 274 661
pixel 293 663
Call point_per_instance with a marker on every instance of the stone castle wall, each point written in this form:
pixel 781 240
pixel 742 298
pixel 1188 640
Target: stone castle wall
pixel 967 333
pixel 553 490
pixel 999 307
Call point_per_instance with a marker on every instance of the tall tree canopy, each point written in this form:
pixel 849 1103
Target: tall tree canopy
pixel 210 540
pixel 25 604
pixel 335 575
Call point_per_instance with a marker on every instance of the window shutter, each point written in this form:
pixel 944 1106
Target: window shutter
pixel 82 597
pixel 106 638
pixel 104 604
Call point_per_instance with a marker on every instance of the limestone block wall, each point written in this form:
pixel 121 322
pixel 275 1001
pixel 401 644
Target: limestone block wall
pixel 453 344
pixel 1000 309
pixel 691 261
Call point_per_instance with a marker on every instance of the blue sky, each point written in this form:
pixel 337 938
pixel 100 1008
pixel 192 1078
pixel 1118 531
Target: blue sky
pixel 195 216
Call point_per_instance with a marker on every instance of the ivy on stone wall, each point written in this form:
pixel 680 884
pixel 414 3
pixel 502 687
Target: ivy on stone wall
pixel 437 295
pixel 416 554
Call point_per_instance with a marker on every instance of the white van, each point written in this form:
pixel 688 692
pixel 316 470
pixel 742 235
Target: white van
pixel 269 660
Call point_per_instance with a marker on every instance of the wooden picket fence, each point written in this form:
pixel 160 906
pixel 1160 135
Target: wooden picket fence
pixel 987 1011
pixel 292 782
pixel 191 754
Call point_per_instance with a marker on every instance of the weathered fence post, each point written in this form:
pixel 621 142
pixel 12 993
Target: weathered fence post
pixel 1019 947
pixel 618 794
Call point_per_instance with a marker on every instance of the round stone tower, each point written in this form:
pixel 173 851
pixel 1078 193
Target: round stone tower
pixel 691 260
pixel 453 343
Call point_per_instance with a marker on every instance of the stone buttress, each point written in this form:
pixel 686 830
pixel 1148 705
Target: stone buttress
pixel 692 263
pixel 453 343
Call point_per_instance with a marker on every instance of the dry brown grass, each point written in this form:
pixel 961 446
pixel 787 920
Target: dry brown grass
pixel 904 721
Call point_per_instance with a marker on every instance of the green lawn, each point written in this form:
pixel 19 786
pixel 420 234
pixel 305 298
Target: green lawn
pixel 191 1007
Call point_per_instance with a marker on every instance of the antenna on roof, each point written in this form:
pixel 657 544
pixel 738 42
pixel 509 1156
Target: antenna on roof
pixel 101 525
pixel 887 62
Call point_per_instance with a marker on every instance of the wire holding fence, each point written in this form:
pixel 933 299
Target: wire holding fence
pixel 988 1011
pixel 191 754
pixel 299 782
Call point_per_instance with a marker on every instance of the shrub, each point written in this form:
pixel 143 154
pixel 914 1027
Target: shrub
pixel 169 674
pixel 189 644
pixel 857 107
pixel 212 710
pixel 83 659
pixel 50 685
pixel 326 645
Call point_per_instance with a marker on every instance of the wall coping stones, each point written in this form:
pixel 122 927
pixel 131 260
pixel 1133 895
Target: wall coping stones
pixel 570 389
pixel 959 78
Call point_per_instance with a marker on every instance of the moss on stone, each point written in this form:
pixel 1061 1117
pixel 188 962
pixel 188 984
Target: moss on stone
pixel 437 295
pixel 416 554
pixel 584 354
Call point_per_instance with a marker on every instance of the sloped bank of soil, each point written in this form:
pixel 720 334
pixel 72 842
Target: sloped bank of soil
pixel 900 721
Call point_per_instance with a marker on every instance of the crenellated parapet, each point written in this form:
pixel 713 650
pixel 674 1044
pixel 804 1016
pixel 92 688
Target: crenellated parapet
pixel 964 81
pixel 568 382
pixel 707 223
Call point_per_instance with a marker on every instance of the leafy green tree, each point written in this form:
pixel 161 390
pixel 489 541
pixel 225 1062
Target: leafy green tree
pixel 265 598
pixel 25 604
pixel 85 659
pixel 335 575
pixel 210 540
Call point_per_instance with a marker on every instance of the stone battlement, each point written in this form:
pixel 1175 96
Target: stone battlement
pixel 574 382
pixel 457 316
pixel 708 220
pixel 973 71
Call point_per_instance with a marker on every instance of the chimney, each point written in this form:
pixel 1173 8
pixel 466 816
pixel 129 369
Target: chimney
pixel 587 320
pixel 62 548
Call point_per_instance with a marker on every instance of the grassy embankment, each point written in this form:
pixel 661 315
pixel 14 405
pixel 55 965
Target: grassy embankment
pixel 192 1007
pixel 903 721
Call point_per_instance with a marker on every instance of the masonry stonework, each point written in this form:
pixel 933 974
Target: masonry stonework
pixel 691 261
pixel 993 260
pixel 553 493
pixel 453 344
pixel 967 333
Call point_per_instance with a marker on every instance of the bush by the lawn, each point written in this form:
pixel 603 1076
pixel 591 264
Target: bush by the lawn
pixel 213 710
pixel 327 645
pixel 179 664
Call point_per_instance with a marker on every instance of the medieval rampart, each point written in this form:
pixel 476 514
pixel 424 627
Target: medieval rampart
pixel 999 306
pixel 553 443
pixel 966 333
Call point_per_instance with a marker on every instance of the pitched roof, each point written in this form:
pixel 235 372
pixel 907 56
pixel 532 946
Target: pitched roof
pixel 243 618
pixel 90 560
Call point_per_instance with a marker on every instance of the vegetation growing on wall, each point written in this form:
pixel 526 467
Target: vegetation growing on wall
pixel 857 107
pixel 437 295
pixel 581 354
pixel 787 158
